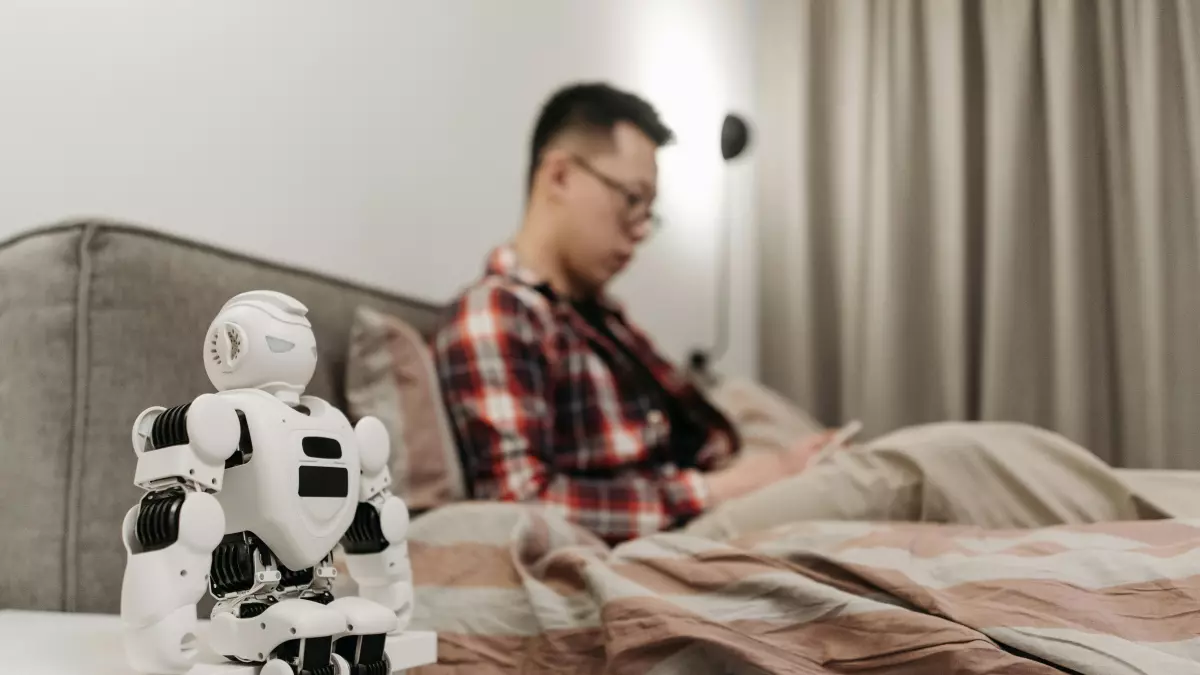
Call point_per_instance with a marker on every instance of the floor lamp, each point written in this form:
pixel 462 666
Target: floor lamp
pixel 735 137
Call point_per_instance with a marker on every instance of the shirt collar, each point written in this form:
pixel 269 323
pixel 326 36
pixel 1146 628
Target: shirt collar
pixel 503 261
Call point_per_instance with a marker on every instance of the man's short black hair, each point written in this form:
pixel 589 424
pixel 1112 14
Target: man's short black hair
pixel 592 107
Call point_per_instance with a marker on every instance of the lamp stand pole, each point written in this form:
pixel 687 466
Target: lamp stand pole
pixel 735 135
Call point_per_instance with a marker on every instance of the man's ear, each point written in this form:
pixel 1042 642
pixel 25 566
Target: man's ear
pixel 556 163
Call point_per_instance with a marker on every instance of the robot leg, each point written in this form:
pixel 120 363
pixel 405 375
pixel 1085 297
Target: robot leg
pixel 364 644
pixel 169 537
pixel 300 633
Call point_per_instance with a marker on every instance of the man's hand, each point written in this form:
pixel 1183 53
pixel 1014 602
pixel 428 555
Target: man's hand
pixel 748 473
pixel 799 456
pixel 756 470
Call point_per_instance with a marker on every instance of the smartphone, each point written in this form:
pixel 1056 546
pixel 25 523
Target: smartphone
pixel 839 439
pixel 846 433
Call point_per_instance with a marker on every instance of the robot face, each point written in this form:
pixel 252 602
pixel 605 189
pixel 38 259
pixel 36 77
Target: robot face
pixel 260 340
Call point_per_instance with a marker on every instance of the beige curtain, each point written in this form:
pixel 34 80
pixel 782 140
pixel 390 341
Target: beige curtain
pixel 986 210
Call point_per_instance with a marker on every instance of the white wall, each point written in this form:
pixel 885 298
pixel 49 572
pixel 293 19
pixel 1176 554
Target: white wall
pixel 378 140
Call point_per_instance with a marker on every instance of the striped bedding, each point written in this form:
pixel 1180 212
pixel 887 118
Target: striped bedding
pixel 511 590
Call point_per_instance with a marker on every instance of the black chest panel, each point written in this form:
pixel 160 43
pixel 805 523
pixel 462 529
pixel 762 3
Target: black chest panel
pixel 323 481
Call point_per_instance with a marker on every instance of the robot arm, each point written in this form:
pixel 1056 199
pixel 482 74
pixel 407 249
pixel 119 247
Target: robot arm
pixel 375 545
pixel 171 533
pixel 188 444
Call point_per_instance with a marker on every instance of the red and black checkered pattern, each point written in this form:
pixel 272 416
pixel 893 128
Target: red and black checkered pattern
pixel 548 409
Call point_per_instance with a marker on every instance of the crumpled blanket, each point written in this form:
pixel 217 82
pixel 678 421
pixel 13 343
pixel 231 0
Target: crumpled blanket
pixel 511 589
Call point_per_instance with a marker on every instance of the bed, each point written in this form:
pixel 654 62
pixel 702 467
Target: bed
pixel 512 590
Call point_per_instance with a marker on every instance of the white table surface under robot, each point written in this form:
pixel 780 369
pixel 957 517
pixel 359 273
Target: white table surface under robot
pixel 58 643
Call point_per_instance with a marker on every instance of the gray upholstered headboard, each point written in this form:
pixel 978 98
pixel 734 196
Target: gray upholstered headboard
pixel 98 321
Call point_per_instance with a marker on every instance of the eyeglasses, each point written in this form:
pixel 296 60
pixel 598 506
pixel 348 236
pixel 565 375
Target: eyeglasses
pixel 637 207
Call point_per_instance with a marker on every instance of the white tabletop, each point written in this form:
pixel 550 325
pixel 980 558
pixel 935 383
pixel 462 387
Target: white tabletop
pixel 54 643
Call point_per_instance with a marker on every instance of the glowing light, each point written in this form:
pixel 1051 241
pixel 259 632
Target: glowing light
pixel 678 67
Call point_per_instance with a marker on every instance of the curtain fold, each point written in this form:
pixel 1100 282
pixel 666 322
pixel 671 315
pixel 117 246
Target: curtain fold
pixel 986 210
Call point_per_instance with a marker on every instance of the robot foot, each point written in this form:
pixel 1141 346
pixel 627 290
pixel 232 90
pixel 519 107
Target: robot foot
pixel 310 656
pixel 365 654
pixel 297 632
pixel 364 644
pixel 373 659
pixel 277 667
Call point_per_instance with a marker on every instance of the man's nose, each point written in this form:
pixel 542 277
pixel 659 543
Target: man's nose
pixel 639 229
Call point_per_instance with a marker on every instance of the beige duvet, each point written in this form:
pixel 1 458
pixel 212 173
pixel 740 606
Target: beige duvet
pixel 986 474
pixel 948 548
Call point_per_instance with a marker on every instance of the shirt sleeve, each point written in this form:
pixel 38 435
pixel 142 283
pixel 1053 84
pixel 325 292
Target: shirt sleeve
pixel 686 493
pixel 493 371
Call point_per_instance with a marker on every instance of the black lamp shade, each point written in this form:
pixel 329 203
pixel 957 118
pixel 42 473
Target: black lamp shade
pixel 735 136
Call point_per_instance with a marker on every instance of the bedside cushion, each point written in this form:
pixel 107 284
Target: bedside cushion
pixel 764 419
pixel 390 374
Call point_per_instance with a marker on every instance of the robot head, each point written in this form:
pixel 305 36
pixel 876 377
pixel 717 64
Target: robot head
pixel 261 340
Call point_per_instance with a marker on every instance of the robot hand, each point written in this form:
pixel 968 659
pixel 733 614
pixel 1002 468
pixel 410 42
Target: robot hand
pixel 169 538
pixel 375 545
pixel 377 557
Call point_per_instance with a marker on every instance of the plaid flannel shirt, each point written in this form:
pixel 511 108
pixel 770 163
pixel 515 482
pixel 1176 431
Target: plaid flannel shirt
pixel 546 408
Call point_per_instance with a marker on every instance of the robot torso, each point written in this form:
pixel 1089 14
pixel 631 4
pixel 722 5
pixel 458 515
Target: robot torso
pixel 298 489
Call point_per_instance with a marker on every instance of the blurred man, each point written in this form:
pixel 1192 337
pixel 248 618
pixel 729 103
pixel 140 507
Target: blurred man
pixel 556 397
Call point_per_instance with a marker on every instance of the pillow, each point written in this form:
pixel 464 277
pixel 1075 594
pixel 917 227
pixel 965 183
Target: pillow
pixel 764 419
pixel 390 374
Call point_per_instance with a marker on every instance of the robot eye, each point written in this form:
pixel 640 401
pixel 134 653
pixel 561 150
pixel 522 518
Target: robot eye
pixel 279 345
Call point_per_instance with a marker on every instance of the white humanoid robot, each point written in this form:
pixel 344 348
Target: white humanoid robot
pixel 248 493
